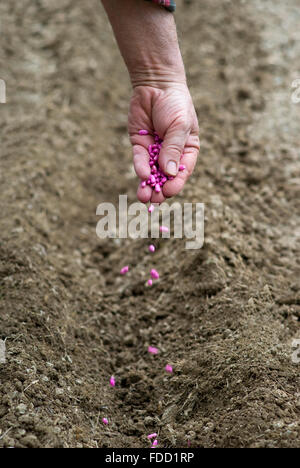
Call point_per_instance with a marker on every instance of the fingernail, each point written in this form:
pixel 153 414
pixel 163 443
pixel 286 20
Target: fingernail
pixel 172 168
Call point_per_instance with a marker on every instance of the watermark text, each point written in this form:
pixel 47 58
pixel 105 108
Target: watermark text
pixel 2 92
pixel 135 222
pixel 296 93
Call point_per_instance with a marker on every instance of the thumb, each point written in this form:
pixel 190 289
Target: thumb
pixel 172 149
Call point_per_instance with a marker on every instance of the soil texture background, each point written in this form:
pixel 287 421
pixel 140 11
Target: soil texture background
pixel 225 316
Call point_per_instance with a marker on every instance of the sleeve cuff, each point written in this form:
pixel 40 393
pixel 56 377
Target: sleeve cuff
pixel 170 5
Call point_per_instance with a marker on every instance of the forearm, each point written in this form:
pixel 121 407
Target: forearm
pixel 147 38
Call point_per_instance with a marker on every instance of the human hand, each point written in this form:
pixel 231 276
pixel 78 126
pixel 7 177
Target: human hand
pixel 161 102
pixel 169 111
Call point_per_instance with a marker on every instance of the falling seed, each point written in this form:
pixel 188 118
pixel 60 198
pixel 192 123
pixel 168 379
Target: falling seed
pixel 143 132
pixel 182 167
pixel 151 436
pixel 154 443
pixel 152 248
pixel 164 229
pixel 105 421
pixel 154 274
pixel 124 270
pixel 151 208
pixel 112 381
pixel 169 368
pixel 149 282
pixel 152 350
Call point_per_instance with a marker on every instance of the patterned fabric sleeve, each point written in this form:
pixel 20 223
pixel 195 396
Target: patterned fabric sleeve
pixel 168 4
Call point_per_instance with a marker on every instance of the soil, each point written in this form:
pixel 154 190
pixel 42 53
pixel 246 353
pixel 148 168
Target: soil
pixel 225 316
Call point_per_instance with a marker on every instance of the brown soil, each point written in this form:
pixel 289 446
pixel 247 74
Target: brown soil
pixel 224 316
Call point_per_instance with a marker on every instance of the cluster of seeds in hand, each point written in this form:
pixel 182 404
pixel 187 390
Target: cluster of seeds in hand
pixel 157 178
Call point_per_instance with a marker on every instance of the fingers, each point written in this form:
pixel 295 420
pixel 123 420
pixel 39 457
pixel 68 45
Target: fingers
pixel 189 159
pixel 172 149
pixel 184 151
pixel 157 197
pixel 144 194
pixel 141 162
pixel 171 187
pixel 147 194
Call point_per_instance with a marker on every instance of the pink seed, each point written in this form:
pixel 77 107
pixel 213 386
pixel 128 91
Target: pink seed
pixel 112 381
pixel 151 248
pixel 154 274
pixel 152 350
pixel 163 229
pixel 143 132
pixel 182 167
pixel 169 368
pixel 151 436
pixel 157 188
pixel 154 444
pixel 143 184
pixel 150 282
pixel 151 208
pixel 124 270
pixel 105 421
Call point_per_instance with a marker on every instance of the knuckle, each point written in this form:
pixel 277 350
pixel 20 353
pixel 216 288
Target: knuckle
pixel 183 123
pixel 175 149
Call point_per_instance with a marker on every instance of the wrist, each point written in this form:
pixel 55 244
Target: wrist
pixel 157 77
pixel 147 38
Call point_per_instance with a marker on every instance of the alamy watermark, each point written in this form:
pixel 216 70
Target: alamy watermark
pixel 2 352
pixel 135 222
pixel 296 93
pixel 296 353
pixel 2 92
